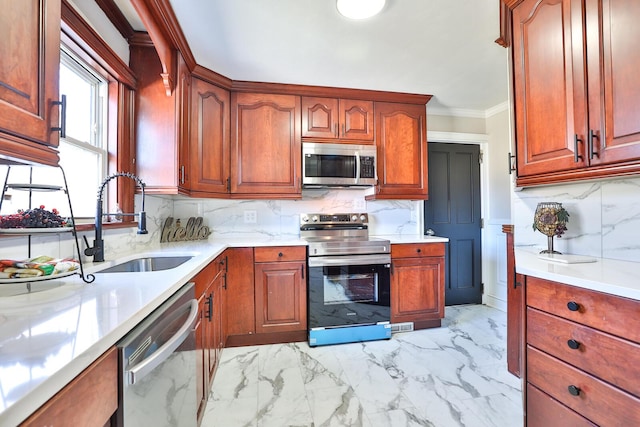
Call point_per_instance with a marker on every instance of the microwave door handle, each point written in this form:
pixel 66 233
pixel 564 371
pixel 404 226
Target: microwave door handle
pixel 357 167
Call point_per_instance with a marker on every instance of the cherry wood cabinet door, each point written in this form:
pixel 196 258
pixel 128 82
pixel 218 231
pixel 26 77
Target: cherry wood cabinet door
pixel 209 138
pixel 402 151
pixel 239 293
pixel 320 117
pixel 281 297
pixel 29 79
pixel 90 399
pixel 549 83
pixel 356 120
pixel 266 151
pixel 202 385
pixel 162 124
pixel 515 308
pixel 417 290
pixel 333 118
pixel 614 87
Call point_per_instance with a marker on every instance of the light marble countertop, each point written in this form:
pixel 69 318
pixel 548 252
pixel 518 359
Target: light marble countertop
pixel 49 337
pixel 412 238
pixel 621 278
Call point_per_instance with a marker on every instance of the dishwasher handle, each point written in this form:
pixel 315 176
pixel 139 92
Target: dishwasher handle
pixel 142 369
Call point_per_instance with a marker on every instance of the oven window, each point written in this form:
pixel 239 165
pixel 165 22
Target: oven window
pixel 330 166
pixel 345 288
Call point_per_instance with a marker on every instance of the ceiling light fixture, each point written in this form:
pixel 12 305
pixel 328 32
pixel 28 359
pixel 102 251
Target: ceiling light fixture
pixel 359 9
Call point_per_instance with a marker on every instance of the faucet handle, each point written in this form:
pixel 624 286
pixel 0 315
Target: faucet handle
pixel 142 223
pixel 89 251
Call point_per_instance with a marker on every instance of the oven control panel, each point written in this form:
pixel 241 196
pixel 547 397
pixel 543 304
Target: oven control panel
pixel 329 219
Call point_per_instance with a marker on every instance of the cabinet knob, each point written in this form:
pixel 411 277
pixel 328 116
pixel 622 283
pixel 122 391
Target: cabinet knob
pixel 280 254
pixel 573 344
pixel 418 250
pixel 573 390
pixel 573 306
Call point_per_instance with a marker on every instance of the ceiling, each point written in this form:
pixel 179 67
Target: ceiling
pixel 444 48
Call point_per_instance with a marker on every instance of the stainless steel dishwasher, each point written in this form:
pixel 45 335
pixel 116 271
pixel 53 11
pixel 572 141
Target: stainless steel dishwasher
pixel 157 363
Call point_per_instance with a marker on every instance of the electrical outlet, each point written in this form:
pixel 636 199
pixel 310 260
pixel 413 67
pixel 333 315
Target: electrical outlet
pixel 359 205
pixel 250 217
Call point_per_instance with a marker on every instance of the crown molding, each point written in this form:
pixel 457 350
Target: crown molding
pixel 474 114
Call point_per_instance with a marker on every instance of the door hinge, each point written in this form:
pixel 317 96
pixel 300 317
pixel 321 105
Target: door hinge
pixel 481 222
pixel 482 288
pixel 480 157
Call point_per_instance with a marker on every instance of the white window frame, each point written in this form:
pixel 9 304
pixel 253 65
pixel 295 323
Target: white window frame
pixel 99 113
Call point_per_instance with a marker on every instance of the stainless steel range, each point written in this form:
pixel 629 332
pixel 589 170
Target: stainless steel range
pixel 349 279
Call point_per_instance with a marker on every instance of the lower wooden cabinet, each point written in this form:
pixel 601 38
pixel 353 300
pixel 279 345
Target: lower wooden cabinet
pixel 90 399
pixel 581 356
pixel 210 283
pixel 515 307
pixel 417 284
pixel 281 289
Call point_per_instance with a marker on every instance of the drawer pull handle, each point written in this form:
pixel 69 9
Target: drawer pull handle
pixel 573 344
pixel 573 306
pixel 573 390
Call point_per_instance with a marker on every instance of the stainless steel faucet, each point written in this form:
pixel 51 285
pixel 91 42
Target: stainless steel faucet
pixel 97 250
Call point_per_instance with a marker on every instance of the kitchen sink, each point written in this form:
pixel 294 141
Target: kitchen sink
pixel 151 263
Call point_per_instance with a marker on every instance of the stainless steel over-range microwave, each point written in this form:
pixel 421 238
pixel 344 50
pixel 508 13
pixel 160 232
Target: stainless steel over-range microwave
pixel 338 165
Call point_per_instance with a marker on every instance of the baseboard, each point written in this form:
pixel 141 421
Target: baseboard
pixel 495 302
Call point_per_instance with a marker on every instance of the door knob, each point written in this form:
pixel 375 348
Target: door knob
pixel 430 232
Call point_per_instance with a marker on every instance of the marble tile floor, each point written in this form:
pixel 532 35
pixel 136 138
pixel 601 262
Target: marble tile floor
pixel 451 376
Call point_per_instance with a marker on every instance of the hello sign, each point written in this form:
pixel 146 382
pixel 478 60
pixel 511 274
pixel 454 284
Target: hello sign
pixel 178 232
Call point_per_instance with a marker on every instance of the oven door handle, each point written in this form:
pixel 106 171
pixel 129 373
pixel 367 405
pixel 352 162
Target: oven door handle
pixel 140 370
pixel 346 260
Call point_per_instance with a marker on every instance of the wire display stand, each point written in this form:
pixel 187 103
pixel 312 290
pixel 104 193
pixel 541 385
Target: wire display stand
pixel 31 187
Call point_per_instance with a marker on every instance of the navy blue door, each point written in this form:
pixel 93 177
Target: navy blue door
pixel 453 211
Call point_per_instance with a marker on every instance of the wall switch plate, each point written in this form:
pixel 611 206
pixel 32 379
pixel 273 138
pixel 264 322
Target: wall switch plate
pixel 250 217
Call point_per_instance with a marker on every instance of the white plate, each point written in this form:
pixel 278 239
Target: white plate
pixel 567 259
pixel 35 230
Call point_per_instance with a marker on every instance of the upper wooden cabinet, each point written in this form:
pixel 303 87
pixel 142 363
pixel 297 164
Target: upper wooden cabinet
pixel 402 151
pixel 333 118
pixel 576 100
pixel 209 139
pixel 29 80
pixel 162 124
pixel 265 146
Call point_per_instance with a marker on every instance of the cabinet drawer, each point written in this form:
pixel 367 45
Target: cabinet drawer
pixel 552 334
pixel 413 250
pixel 545 411
pixel 280 253
pixel 609 313
pixel 596 400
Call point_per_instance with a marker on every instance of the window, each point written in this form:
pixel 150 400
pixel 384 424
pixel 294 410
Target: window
pixel 83 154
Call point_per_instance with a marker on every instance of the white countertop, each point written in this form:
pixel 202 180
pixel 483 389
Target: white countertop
pixel 49 337
pixel 415 238
pixel 614 277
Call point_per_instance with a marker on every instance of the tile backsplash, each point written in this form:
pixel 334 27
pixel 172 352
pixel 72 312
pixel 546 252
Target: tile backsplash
pixel 604 218
pixel 226 218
